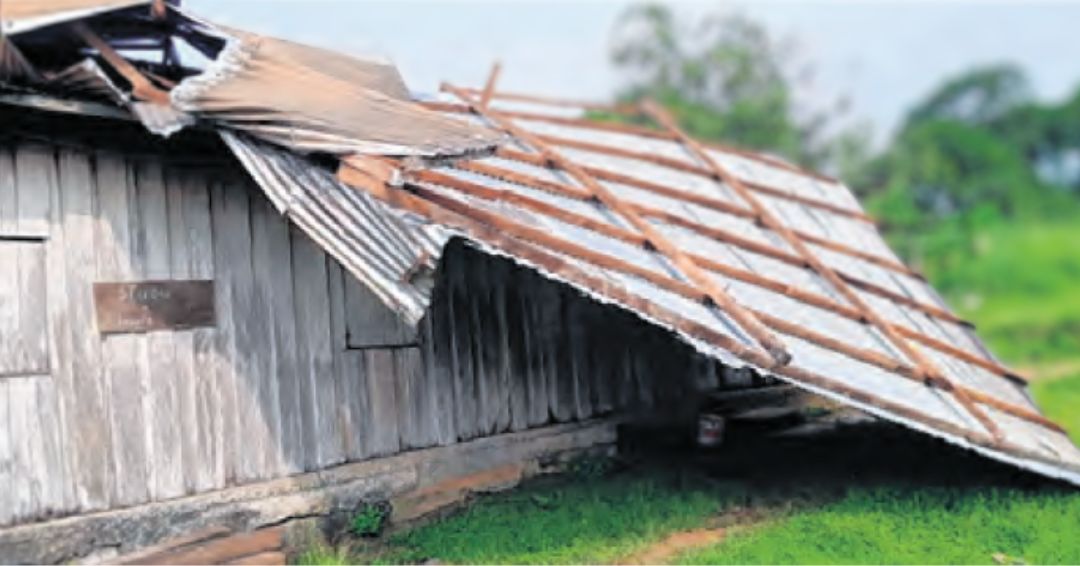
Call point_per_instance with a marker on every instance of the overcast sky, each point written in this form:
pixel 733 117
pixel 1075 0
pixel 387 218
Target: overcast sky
pixel 882 55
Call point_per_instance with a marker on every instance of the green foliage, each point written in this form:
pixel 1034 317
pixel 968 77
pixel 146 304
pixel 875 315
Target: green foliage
pixel 723 79
pixel 370 519
pixel 1016 281
pixel 591 468
pixel 1060 400
pixel 978 96
pixel 924 526
pixel 977 146
pixel 944 168
pixel 323 556
pixel 566 523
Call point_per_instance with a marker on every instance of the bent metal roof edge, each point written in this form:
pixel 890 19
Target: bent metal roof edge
pixel 537 195
pixel 751 260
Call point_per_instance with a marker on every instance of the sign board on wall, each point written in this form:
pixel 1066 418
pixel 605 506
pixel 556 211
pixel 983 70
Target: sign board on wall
pixel 146 306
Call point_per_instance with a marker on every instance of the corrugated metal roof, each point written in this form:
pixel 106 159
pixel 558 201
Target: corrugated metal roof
pixel 835 350
pixel 20 16
pixel 294 96
pixel 753 261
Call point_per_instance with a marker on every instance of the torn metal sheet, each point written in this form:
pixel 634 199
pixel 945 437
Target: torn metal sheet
pixel 20 16
pixel 286 94
pixel 86 79
pixel 381 247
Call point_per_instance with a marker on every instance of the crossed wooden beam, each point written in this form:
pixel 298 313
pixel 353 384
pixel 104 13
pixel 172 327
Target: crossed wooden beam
pixel 769 352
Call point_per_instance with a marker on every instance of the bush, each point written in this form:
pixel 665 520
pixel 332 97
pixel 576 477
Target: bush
pixel 370 519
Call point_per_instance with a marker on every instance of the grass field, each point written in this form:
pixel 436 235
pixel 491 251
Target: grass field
pixel 611 521
pixel 923 526
pixel 1060 400
pixel 555 522
pixel 1019 283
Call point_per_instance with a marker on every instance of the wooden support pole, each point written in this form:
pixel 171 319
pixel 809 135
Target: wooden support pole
pixel 678 258
pixel 489 88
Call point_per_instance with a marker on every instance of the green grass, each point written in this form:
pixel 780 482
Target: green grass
pixel 923 526
pixel 578 522
pixel 323 556
pixel 1060 400
pixel 1020 283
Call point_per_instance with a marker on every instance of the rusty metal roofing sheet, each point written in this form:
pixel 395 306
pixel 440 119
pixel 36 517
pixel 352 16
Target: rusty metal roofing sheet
pixel 378 245
pixel 19 16
pixel 290 95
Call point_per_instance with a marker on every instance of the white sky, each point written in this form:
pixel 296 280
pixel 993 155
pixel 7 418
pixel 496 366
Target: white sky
pixel 884 55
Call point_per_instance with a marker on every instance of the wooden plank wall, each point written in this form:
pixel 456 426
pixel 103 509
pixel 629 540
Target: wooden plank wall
pixel 508 350
pixel 305 368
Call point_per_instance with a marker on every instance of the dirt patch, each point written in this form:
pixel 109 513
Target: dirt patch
pixel 676 544
pixel 684 541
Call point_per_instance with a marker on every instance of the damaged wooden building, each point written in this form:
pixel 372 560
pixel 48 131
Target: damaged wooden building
pixel 244 280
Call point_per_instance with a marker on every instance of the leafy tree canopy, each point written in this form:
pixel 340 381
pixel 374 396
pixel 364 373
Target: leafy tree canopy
pixel 723 79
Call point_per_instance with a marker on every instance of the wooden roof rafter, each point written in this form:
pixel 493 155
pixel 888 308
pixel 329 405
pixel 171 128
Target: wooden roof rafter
pixel 712 203
pixel 812 299
pixel 708 231
pixel 687 167
pixel 680 260
pixel 930 374
pixel 417 197
pixel 627 110
pixel 142 86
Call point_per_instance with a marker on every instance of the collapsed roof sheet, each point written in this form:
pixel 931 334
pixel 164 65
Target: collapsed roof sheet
pixel 636 216
pixel 20 16
pixel 298 97
pixel 750 260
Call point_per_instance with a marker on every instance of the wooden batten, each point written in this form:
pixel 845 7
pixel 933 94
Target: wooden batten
pixel 686 167
pixel 683 262
pixel 929 372
pixel 890 264
pixel 710 203
pixel 518 230
pixel 719 235
pixel 629 129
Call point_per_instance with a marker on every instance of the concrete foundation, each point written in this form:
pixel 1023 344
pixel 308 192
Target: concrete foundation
pixel 416 484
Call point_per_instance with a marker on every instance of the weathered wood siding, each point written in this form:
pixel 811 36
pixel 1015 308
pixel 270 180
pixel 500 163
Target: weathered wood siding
pixel 304 368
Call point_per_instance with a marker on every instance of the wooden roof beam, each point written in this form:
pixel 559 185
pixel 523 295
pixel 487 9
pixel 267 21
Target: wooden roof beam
pixel 686 167
pixel 932 375
pixel 679 259
pixel 635 130
pixel 142 87
pixel 506 227
pixel 812 299
pixel 709 231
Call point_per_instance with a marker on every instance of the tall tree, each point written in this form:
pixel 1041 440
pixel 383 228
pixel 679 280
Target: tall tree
pixel 723 79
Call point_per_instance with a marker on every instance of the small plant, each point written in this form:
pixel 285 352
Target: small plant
pixel 370 519
pixel 324 556
pixel 591 468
